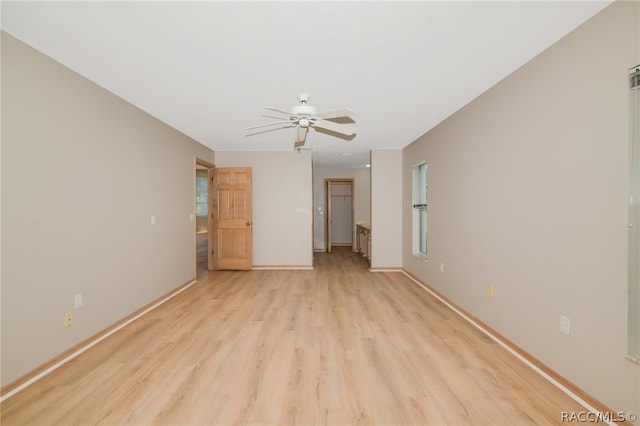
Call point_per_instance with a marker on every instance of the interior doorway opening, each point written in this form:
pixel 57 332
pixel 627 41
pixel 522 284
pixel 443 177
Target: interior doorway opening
pixel 203 217
pixel 339 208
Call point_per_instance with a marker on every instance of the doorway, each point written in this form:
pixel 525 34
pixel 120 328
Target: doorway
pixel 339 207
pixel 203 209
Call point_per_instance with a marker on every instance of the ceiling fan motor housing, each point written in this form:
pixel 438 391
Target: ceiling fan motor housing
pixel 303 110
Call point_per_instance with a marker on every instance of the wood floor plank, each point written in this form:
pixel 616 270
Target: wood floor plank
pixel 337 345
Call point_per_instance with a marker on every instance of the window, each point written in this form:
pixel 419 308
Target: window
pixel 419 207
pixel 634 215
pixel 201 196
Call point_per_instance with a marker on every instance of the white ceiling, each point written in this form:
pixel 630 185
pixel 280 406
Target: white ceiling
pixel 208 68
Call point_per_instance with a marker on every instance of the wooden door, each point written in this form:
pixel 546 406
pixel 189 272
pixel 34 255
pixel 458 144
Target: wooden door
pixel 328 224
pixel 211 236
pixel 232 218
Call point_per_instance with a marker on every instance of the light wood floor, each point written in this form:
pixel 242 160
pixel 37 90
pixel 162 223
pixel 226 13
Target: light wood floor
pixel 201 254
pixel 338 345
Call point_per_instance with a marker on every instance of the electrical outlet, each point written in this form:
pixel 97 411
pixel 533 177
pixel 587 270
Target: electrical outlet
pixel 441 267
pixel 68 319
pixel 78 300
pixel 564 325
pixel 490 290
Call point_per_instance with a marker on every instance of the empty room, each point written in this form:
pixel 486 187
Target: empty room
pixel 339 213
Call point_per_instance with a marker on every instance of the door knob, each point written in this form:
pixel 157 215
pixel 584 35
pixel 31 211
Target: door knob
pixel 248 223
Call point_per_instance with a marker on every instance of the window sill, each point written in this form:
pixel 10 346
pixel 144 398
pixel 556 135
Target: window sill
pixel 421 256
pixel 633 358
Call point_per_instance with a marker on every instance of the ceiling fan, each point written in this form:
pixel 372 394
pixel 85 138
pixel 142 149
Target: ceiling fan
pixel 304 116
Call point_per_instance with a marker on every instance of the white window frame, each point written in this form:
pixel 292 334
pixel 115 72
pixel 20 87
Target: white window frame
pixel 419 229
pixel 633 311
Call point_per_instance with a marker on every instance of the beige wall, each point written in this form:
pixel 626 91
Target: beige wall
pixel 361 192
pixel 528 192
pixel 386 209
pixel 282 203
pixel 82 173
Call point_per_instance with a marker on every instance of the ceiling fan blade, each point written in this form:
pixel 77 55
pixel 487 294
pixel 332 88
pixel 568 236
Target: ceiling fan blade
pixel 344 112
pixel 268 124
pixel 301 134
pixel 273 116
pixel 267 130
pixel 277 110
pixel 334 127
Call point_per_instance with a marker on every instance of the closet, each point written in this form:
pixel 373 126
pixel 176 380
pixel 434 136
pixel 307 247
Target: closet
pixel 339 202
